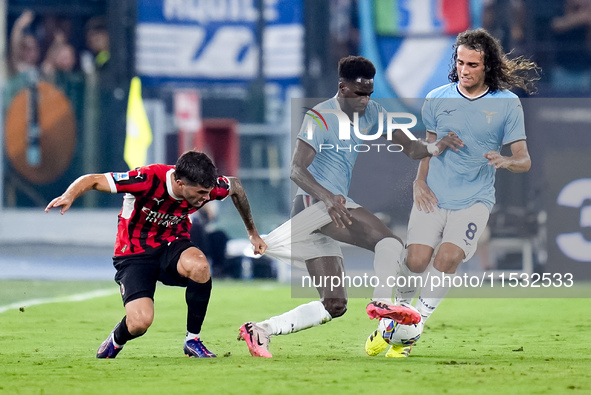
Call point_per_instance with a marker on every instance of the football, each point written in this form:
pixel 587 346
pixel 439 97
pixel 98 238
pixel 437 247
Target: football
pixel 394 333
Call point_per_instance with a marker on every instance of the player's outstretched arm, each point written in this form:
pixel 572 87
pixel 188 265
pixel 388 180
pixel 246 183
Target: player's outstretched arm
pixel 419 149
pixel 78 188
pixel 518 162
pixel 241 202
pixel 335 204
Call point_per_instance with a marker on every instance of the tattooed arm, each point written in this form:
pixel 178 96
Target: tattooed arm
pixel 241 202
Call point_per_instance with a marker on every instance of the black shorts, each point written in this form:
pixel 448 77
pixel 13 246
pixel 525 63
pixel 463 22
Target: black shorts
pixel 137 274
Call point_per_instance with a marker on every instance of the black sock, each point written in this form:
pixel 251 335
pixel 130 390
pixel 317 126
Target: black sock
pixel 121 335
pixel 197 297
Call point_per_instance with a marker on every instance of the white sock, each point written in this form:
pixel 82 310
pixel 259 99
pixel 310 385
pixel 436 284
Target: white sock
pixel 430 295
pixel 115 343
pixel 302 317
pixel 191 336
pixel 386 264
pixel 411 283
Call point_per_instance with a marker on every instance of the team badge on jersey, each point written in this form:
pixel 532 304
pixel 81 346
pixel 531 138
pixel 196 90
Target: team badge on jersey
pixel 489 115
pixel 120 176
pixel 223 182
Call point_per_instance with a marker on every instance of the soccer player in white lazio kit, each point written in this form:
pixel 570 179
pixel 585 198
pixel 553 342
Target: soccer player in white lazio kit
pixel 454 192
pixel 463 181
pixel 323 173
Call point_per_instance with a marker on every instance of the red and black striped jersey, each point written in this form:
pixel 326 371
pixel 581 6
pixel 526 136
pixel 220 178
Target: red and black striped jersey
pixel 152 215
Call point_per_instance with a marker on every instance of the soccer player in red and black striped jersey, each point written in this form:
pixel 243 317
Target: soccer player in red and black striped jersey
pixel 153 240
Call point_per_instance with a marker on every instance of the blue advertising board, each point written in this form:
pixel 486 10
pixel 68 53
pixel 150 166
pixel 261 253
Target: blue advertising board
pixel 214 41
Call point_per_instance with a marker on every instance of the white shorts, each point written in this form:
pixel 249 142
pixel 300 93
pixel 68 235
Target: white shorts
pixel 460 227
pixel 295 241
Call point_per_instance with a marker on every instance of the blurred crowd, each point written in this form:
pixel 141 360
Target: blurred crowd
pixel 561 42
pixel 74 60
pixel 572 69
pixel 74 55
pixel 41 47
pixel 42 51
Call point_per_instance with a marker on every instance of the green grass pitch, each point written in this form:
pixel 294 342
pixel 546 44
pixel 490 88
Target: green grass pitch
pixel 470 346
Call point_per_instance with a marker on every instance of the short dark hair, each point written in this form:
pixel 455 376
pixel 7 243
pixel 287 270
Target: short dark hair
pixel 500 71
pixel 353 67
pixel 195 168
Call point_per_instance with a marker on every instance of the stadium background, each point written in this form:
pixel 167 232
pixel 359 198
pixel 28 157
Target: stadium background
pixel 236 69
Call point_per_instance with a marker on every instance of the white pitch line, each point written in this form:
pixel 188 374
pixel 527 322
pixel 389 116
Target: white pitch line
pixel 59 299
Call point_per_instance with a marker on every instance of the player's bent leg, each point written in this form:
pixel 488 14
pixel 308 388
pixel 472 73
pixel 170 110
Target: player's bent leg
pixel 368 232
pixel 448 258
pixel 139 315
pixel 387 256
pixel 413 265
pixel 424 234
pixel 418 257
pixel 459 241
pixel 193 265
pixel 302 317
pixel 197 297
pixel 408 283
pixel 257 335
pixel 334 298
pixel 446 262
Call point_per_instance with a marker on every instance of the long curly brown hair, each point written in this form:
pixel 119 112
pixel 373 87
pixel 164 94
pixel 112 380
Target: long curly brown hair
pixel 500 71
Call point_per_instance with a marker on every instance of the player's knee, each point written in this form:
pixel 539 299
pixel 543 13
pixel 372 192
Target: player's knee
pixel 196 268
pixel 138 324
pixel 447 264
pixel 199 272
pixel 448 258
pixel 417 263
pixel 335 307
